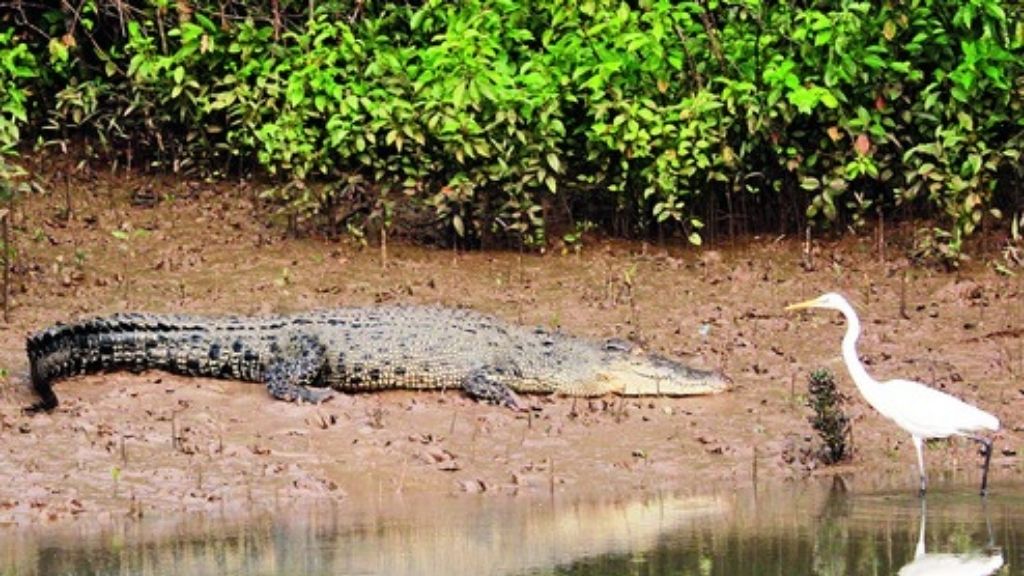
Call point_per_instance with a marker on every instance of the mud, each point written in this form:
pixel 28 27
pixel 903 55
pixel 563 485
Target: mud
pixel 139 445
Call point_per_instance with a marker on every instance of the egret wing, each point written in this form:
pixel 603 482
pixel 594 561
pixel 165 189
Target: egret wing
pixel 930 413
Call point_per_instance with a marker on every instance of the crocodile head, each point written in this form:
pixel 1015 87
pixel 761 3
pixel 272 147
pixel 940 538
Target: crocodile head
pixel 574 367
pixel 647 375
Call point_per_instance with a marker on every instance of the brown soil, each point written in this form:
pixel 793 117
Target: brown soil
pixel 152 443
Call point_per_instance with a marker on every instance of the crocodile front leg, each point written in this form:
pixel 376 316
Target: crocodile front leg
pixel 290 377
pixel 485 384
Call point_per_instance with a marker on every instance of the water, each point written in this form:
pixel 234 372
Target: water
pixel 840 534
pixel 803 528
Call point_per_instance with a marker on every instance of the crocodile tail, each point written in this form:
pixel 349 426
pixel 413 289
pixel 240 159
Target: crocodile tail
pixel 89 346
pixel 50 357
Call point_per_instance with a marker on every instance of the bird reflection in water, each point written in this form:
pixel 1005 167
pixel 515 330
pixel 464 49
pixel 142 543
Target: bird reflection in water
pixel 974 563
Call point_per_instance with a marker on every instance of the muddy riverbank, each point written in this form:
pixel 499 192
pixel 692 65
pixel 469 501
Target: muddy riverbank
pixel 152 443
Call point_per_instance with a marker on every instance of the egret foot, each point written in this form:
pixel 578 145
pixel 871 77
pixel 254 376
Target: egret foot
pixel 986 449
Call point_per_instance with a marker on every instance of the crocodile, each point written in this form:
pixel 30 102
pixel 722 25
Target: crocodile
pixel 308 356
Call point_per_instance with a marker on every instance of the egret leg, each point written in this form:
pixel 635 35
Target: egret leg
pixel 919 446
pixel 919 551
pixel 986 448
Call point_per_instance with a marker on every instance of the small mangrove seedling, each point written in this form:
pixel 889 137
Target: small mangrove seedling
pixel 829 420
pixel 126 237
pixel 6 255
pixel 115 475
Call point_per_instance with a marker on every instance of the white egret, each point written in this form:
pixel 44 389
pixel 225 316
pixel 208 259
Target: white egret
pixel 922 411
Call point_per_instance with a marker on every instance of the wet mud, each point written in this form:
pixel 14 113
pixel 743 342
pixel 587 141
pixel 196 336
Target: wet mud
pixel 138 445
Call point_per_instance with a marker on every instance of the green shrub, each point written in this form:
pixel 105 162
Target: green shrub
pixel 668 116
pixel 829 420
pixel 17 68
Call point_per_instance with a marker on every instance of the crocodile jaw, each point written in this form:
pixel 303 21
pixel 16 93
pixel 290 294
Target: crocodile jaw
pixel 632 378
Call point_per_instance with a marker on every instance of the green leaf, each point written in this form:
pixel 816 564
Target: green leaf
pixel 296 93
pixel 899 66
pixel 874 61
pixel 417 18
pixel 972 166
pixel 554 163
pixel 810 184
pixel 551 183
pixel 58 51
pixel 459 95
pixel 965 120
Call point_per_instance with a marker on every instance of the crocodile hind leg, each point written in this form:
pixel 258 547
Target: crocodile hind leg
pixel 290 377
pixel 484 384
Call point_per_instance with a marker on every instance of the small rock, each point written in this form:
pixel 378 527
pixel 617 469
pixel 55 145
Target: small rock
pixel 321 421
pixel 473 486
pixel 436 455
pixel 450 466
pixel 424 438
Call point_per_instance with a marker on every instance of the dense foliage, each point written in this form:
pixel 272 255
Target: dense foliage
pixel 689 116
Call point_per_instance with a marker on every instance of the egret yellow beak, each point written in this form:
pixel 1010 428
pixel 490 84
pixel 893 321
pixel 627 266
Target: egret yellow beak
pixel 805 304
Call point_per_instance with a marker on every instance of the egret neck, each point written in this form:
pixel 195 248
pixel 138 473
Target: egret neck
pixel 865 383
